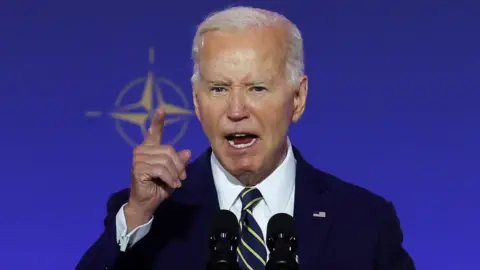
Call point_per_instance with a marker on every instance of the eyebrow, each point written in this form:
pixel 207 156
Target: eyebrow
pixel 218 82
pixel 225 83
pixel 255 83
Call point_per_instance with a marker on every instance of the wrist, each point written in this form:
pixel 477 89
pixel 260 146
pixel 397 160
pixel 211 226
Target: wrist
pixel 135 216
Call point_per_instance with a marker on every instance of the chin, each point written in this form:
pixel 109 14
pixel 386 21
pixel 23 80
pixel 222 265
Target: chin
pixel 237 168
pixel 239 164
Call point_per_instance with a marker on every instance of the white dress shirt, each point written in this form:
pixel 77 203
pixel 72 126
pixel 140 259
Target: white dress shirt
pixel 278 191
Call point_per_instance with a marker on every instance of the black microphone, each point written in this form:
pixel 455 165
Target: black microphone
pixel 224 239
pixel 282 243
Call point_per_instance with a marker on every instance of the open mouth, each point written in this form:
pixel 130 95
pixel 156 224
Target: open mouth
pixel 241 140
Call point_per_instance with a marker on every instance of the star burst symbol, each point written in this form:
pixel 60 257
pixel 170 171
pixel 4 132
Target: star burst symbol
pixel 141 112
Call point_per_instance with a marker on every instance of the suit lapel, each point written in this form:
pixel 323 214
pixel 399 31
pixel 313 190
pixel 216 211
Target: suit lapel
pixel 312 212
pixel 199 187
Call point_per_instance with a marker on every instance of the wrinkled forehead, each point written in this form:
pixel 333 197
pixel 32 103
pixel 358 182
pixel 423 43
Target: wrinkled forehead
pixel 254 53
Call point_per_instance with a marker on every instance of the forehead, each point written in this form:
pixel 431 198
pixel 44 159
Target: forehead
pixel 241 54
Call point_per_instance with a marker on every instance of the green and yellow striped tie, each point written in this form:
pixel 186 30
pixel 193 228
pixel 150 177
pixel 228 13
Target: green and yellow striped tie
pixel 251 251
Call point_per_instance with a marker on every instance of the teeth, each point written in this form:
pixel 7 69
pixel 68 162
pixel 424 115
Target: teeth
pixel 243 145
pixel 239 135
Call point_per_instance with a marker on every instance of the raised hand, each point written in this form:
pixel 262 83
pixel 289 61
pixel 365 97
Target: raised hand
pixel 158 169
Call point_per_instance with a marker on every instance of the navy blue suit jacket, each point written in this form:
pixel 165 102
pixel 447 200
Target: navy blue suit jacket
pixel 359 232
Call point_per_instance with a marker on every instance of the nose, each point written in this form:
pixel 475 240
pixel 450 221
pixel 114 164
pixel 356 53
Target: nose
pixel 237 109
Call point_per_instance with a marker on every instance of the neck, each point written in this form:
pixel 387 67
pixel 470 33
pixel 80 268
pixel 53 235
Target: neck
pixel 251 179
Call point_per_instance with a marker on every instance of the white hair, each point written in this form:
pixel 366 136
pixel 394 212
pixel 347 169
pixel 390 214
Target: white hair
pixel 242 18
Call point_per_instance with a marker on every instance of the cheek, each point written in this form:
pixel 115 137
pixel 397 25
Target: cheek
pixel 276 118
pixel 210 115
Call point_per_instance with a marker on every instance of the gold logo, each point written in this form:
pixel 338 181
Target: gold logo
pixel 149 93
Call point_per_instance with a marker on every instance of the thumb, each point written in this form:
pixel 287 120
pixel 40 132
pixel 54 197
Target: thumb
pixel 185 155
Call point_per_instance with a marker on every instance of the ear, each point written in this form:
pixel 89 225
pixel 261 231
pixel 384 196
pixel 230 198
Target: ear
pixel 195 100
pixel 300 99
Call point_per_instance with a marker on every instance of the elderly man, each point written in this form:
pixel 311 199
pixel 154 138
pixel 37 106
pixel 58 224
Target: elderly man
pixel 248 87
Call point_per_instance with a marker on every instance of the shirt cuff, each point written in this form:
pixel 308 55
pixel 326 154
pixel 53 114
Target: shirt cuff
pixel 125 240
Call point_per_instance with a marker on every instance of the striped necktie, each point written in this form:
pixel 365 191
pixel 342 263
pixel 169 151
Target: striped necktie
pixel 251 251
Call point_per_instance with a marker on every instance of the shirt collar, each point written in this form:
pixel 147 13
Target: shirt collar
pixel 276 188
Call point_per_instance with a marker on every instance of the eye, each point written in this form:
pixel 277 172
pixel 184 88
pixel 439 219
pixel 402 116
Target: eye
pixel 258 89
pixel 217 89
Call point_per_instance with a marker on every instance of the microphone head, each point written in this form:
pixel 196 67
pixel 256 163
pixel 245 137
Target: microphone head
pixel 224 238
pixel 281 226
pixel 225 222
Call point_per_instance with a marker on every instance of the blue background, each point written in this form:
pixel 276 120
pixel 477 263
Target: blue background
pixel 393 106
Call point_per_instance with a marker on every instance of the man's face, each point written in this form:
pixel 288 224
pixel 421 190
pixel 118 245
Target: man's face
pixel 244 101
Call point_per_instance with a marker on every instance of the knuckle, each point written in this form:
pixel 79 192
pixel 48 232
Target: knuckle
pixel 158 169
pixel 169 149
pixel 168 161
pixel 163 168
pixel 136 169
pixel 159 160
pixel 136 165
pixel 138 150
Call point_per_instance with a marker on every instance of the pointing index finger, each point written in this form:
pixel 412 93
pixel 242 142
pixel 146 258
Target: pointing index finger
pixel 155 132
